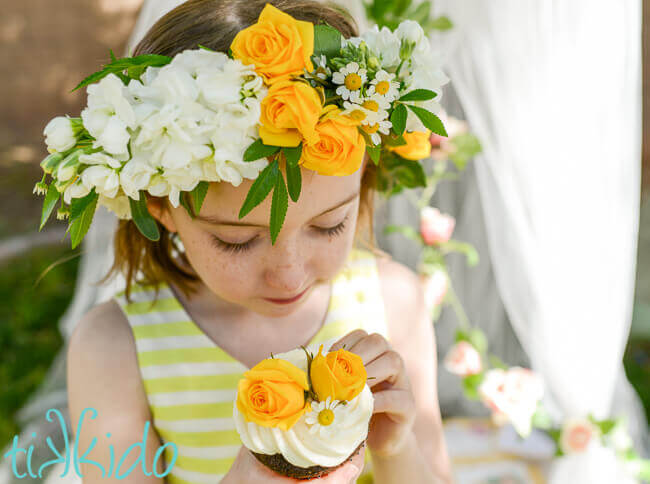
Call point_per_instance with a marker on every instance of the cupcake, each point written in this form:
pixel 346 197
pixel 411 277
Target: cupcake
pixel 304 414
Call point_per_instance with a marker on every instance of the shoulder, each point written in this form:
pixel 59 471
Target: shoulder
pixel 102 362
pixel 403 297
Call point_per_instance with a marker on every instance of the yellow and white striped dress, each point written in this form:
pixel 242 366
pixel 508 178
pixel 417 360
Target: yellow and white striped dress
pixel 191 383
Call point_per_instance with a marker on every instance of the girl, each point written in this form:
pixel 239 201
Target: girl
pixel 214 296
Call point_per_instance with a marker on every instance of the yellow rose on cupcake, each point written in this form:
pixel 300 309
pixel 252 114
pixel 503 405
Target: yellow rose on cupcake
pixel 339 374
pixel 278 45
pixel 272 394
pixel 417 147
pixel 340 147
pixel 290 113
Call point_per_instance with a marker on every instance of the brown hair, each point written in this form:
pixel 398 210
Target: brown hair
pixel 214 24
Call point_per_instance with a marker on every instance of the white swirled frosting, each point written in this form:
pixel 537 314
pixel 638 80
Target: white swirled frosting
pixel 302 448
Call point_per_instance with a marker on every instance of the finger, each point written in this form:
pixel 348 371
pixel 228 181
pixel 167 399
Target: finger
pixel 388 367
pixel 370 347
pixel 348 340
pixel 398 403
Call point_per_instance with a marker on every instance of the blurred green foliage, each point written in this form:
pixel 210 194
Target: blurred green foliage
pixel 29 317
pixel 390 13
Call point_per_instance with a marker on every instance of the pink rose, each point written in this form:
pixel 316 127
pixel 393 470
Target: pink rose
pixel 435 227
pixel 434 287
pixel 577 435
pixel 512 395
pixel 463 360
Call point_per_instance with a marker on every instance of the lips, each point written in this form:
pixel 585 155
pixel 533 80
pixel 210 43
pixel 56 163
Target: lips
pixel 287 300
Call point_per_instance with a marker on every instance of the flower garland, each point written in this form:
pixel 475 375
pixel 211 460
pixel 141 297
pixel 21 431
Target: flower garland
pixel 167 127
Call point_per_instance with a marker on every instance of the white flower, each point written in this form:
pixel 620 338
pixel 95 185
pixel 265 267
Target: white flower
pixel 119 205
pixel 577 435
pixel 373 130
pixel 320 68
pixel 384 85
pixel 183 179
pixel 352 79
pixel 196 61
pixel 75 190
pixel 322 416
pixel 135 176
pixel 158 186
pixel 108 115
pixel 100 159
pixel 105 180
pixel 59 135
pixel 384 44
pixel 512 396
pixel 463 360
pixel 619 438
pixel 410 31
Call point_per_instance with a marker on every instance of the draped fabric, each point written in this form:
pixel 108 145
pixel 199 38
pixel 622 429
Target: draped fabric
pixel 553 91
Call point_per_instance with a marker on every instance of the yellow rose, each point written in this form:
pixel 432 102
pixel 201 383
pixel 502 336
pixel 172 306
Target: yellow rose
pixel 340 148
pixel 278 45
pixel 272 394
pixel 417 147
pixel 290 113
pixel 339 374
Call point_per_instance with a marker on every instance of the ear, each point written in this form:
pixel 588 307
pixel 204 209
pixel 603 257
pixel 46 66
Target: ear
pixel 159 210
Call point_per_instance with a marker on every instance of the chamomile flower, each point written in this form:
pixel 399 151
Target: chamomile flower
pixel 352 79
pixel 322 416
pixel 376 103
pixel 320 68
pixel 373 130
pixel 384 85
pixel 366 114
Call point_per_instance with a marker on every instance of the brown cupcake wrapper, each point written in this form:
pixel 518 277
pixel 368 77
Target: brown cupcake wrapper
pixel 280 465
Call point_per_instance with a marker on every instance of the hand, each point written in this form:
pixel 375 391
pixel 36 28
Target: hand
pixel 394 410
pixel 246 469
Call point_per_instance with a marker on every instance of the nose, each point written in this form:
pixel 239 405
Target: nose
pixel 285 272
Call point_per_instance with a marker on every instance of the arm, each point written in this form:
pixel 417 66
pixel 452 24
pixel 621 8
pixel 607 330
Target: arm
pixel 102 372
pixel 411 335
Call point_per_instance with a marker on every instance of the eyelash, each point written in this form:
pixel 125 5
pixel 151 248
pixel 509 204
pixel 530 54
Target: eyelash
pixel 238 248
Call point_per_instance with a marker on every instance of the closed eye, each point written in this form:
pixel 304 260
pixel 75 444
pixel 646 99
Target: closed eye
pixel 332 231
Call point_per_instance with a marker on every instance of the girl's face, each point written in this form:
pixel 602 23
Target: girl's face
pixel 235 259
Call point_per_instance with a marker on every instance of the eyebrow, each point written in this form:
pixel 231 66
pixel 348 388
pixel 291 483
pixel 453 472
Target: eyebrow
pixel 217 221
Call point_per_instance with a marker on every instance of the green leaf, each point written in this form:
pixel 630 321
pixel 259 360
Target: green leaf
pixel 398 118
pixel 260 188
pixel 142 218
pixel 418 95
pixel 51 163
pixel 410 174
pixel 374 152
pixel 206 48
pixel 51 198
pixel 470 386
pixel 406 230
pixel 294 180
pixel 279 205
pixel 198 195
pixel 464 248
pixel 117 66
pixel 430 120
pixel 259 150
pixel 440 23
pixel 495 362
pixel 421 13
pixel 327 41
pixel 83 211
pixel 293 154
pixel 395 141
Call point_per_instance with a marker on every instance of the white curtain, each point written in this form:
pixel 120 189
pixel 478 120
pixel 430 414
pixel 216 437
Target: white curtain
pixel 553 90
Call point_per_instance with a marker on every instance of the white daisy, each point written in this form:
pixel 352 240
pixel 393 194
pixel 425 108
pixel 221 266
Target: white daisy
pixel 320 68
pixel 322 416
pixel 373 130
pixel 384 85
pixel 367 113
pixel 352 80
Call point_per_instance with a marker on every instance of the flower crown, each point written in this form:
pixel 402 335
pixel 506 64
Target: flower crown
pixel 287 91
